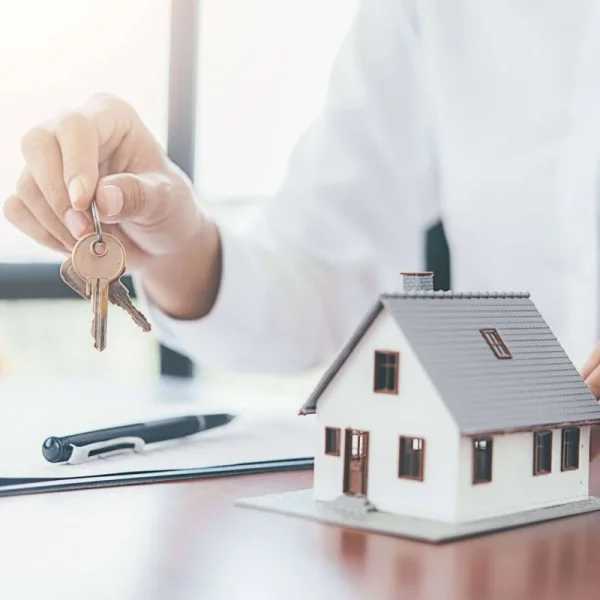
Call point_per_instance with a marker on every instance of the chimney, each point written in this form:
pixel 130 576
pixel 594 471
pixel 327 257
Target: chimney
pixel 418 281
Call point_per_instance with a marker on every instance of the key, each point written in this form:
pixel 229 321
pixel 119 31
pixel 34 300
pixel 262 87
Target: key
pixel 70 277
pixel 99 263
pixel 118 294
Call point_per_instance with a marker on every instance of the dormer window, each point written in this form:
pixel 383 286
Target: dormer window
pixel 492 337
pixel 387 364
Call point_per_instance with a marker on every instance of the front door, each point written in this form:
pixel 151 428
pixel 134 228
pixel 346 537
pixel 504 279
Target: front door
pixel 355 462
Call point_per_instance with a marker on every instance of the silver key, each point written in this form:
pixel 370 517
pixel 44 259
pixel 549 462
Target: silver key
pixel 118 294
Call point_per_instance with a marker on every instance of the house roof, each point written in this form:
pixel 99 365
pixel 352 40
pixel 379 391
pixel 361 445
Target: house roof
pixel 539 386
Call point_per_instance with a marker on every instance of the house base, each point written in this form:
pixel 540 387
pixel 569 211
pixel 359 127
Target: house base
pixel 302 504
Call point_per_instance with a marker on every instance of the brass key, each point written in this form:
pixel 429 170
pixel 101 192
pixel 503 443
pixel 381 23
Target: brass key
pixel 118 294
pixel 99 261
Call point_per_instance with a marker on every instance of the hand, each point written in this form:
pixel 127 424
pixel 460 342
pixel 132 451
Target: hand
pixel 591 375
pixel 102 150
pixel 591 372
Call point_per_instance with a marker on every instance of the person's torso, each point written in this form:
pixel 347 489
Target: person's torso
pixel 515 94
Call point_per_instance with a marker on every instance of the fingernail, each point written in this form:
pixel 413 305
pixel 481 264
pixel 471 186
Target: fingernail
pixel 76 222
pixel 76 191
pixel 113 197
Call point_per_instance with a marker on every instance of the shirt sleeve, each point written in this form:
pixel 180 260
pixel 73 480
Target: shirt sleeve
pixel 359 191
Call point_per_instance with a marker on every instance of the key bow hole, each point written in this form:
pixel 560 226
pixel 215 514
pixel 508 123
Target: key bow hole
pixel 99 248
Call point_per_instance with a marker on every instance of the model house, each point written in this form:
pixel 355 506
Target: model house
pixel 452 407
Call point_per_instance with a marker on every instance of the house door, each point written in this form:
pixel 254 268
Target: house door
pixel 355 462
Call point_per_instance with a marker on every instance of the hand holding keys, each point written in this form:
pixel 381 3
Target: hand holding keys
pixel 94 271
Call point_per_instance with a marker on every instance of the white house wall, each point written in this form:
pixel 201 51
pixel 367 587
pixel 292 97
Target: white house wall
pixel 513 486
pixel 417 411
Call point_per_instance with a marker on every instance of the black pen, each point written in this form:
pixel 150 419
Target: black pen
pixel 78 448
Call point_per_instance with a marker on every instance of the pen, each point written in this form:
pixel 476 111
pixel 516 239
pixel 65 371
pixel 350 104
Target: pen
pixel 78 448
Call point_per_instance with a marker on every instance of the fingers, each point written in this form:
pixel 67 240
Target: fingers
pixel 42 155
pixel 592 362
pixel 593 382
pixel 63 155
pixel 78 143
pixel 113 120
pixel 63 158
pixel 89 137
pixel 591 372
pixel 21 217
pixel 127 196
pixel 45 166
pixel 66 230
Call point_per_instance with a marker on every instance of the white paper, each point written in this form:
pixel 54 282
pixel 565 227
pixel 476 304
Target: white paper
pixel 256 434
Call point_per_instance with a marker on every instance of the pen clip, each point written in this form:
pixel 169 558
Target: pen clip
pixel 115 446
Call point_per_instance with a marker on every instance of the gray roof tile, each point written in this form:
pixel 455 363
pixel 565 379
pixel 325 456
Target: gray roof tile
pixel 538 387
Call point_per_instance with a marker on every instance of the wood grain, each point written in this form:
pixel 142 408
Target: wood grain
pixel 187 540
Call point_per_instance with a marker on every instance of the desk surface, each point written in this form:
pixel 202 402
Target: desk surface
pixel 187 540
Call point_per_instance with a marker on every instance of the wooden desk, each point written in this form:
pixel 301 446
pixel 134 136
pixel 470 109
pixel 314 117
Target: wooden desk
pixel 187 540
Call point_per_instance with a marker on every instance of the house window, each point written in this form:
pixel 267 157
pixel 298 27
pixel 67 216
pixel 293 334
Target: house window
pixel 358 448
pixel 332 441
pixel 386 372
pixel 542 452
pixel 482 460
pixel 570 449
pixel 412 455
pixel 492 337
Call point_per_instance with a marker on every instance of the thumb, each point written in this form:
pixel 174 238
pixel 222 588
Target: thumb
pixel 127 197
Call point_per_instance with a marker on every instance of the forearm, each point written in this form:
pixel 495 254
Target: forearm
pixel 350 214
pixel 185 284
pixel 266 310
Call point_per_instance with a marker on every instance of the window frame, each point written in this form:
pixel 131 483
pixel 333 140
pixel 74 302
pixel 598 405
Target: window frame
pixel 496 343
pixel 396 381
pixel 474 450
pixel 420 453
pixel 537 448
pixel 563 449
pixel 338 441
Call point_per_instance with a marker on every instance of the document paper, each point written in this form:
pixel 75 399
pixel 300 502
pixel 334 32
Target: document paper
pixel 263 434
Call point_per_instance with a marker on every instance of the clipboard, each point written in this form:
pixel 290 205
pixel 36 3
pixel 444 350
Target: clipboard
pixel 267 434
pixel 19 487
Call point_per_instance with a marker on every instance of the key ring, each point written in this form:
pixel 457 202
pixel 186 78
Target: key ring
pixel 96 219
pixel 98 247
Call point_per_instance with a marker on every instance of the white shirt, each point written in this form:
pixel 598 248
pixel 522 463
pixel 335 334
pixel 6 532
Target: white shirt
pixel 486 114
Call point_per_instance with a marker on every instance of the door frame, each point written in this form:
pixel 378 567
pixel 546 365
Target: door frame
pixel 349 432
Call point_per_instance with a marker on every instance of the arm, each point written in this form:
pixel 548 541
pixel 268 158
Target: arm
pixel 359 191
pixel 283 295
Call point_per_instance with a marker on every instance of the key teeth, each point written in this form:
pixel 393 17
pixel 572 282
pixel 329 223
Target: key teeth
pixel 119 296
pixel 92 330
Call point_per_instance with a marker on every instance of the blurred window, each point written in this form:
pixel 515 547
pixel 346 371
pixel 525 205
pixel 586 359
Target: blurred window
pixel 264 71
pixel 53 56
